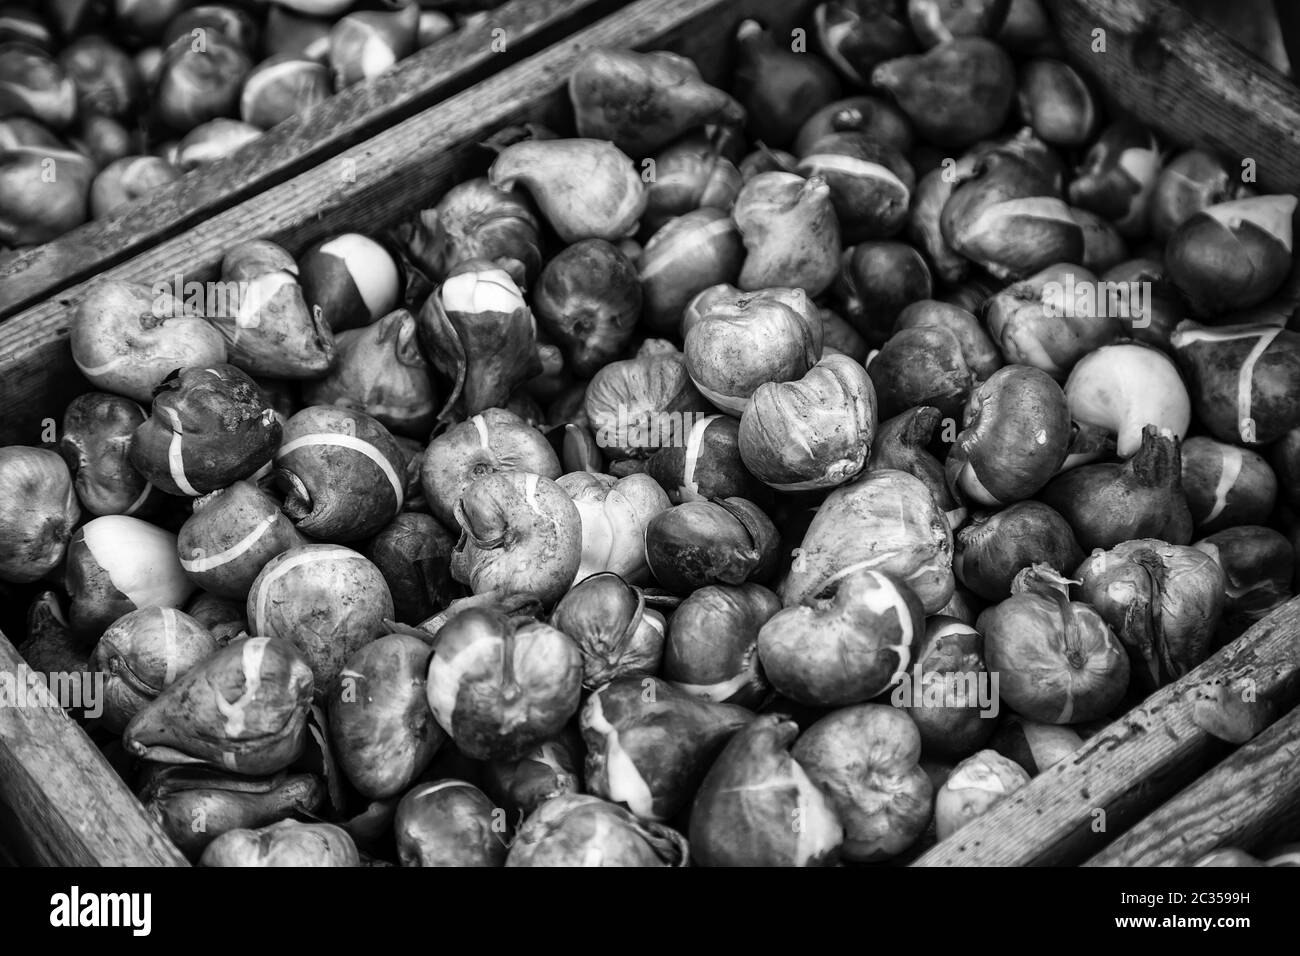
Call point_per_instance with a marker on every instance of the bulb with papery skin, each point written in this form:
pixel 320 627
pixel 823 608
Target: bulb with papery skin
pixel 790 232
pixel 813 432
pixel 365 43
pixel 518 532
pixel 341 473
pixel 641 101
pixel 126 337
pixel 649 744
pixel 846 643
pixel 35 208
pixel 500 686
pixel 866 760
pixel 381 371
pixel 40 510
pixel 1057 660
pixel 588 299
pixel 197 84
pixel 476 220
pixel 586 188
pixel 352 279
pixel 449 823
pixel 95 441
pixel 268 327
pixel 712 646
pixel 886 521
pixel 687 256
pixel 329 601
pixel 118 564
pixel 380 723
pixel 208 428
pixel 974 787
pixel 287 843
pixel 579 830
pixel 956 93
pixel 739 343
pixel 142 653
pixel 479 333
pixel 1124 388
pixel 127 179
pixel 231 535
pixel 614 513
pixel 742 812
pixel 192 720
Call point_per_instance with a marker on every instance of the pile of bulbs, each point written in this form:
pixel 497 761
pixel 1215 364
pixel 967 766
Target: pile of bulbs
pixel 102 102
pixel 675 491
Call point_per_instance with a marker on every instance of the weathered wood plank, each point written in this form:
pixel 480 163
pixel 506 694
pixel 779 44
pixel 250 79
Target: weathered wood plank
pixel 1255 791
pixel 74 810
pixel 1070 811
pixel 1187 81
pixel 447 66
pixel 371 185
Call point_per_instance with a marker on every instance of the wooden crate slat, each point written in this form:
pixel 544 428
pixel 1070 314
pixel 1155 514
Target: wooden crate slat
pixel 1254 792
pixel 449 65
pixel 1188 82
pixel 369 186
pixel 1130 767
pixel 74 809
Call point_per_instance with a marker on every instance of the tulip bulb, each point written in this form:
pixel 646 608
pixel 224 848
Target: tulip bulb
pixel 286 843
pixel 778 87
pixel 1118 178
pixel 127 179
pixel 1192 181
pixel 974 787
pixel 35 208
pixel 586 188
pixel 813 432
pixel 1226 485
pixel 1232 255
pixel 742 812
pixel 697 543
pixel 690 174
pixel 614 514
pixel 1124 388
pixel 579 830
pixel 479 333
pixel 518 532
pixel 846 643
pixel 208 427
pixel 642 101
pixel 1109 503
pixel 380 722
pixel 499 687
pixel 856 35
pixel 616 633
pixel 1015 435
pixel 588 299
pixel 141 654
pixel 739 343
pixel 790 232
pixel 118 564
pixel 1242 379
pixel 326 600
pixel 381 371
pixel 712 646
pixel 231 535
pixel 365 43
pixel 40 512
pixel 886 521
pixel 269 328
pixel 280 86
pixel 475 220
pixel 688 255
pixel 1162 600
pixel 956 93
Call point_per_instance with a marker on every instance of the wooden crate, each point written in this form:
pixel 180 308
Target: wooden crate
pixel 51 775
pixel 1118 778
pixel 447 66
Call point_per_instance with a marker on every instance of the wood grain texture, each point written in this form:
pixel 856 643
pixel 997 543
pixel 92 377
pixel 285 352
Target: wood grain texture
pixel 370 186
pixel 74 810
pixel 1189 82
pixel 447 66
pixel 1133 765
pixel 1256 790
